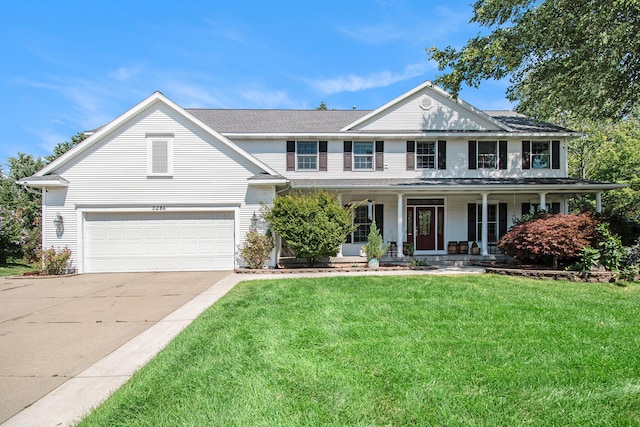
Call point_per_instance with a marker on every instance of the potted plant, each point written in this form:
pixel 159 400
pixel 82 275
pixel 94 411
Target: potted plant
pixel 407 248
pixel 475 249
pixel 374 249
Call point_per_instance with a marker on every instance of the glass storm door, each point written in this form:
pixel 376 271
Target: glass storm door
pixel 425 226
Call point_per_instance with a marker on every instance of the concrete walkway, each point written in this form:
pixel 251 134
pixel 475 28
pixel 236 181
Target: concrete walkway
pixel 72 399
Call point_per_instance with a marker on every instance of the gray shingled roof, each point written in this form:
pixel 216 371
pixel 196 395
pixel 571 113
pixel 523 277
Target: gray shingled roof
pixel 326 121
pixel 277 121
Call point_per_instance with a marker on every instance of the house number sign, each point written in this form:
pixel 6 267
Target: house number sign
pixel 158 208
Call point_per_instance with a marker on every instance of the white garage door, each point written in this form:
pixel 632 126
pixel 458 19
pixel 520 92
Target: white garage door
pixel 159 241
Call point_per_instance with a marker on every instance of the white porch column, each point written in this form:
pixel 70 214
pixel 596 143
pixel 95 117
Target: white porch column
pixel 400 225
pixel 543 202
pixel 485 224
pixel 339 254
pixel 599 202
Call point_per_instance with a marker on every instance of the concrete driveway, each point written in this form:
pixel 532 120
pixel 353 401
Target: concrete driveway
pixel 51 329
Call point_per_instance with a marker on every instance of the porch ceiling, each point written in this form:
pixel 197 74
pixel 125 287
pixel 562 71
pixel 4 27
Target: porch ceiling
pixel 461 185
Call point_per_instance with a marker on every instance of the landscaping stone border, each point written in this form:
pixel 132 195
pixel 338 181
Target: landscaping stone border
pixel 572 276
pixel 331 269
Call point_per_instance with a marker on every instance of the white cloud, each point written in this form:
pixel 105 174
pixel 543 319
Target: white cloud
pixel 190 95
pixel 125 73
pixel 355 83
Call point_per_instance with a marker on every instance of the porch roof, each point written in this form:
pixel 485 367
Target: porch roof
pixel 460 185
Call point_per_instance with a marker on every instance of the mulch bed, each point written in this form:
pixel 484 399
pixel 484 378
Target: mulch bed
pixel 340 269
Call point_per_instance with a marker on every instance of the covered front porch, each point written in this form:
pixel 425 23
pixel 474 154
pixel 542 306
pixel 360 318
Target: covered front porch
pixel 422 217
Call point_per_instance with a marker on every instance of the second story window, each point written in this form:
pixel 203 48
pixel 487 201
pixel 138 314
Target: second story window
pixel 363 155
pixel 425 154
pixel 540 155
pixel 307 153
pixel 307 156
pixel 487 154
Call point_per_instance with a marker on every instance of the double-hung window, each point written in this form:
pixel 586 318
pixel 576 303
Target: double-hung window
pixel 426 154
pixel 492 222
pixel 159 155
pixel 363 155
pixel 540 155
pixel 362 221
pixel 487 154
pixel 307 155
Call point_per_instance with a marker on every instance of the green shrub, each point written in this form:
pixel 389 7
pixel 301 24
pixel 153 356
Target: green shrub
pixel 612 253
pixel 256 249
pixel 589 258
pixel 374 247
pixel 313 225
pixel 55 262
pixel 12 234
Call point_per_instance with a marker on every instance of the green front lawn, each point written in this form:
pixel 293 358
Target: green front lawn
pixel 419 350
pixel 15 269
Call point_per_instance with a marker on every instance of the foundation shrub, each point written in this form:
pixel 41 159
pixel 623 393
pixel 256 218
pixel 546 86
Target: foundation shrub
pixel 559 238
pixel 256 249
pixel 54 262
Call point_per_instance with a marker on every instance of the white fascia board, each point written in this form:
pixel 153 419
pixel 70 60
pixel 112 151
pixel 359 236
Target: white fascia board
pixel 465 189
pixel 369 135
pixel 137 109
pixel 40 183
pixel 427 85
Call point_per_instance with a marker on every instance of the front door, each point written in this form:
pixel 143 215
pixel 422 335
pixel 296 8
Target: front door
pixel 425 228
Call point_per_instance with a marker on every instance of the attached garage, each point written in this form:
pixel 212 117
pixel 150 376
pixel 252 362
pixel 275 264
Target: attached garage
pixel 158 241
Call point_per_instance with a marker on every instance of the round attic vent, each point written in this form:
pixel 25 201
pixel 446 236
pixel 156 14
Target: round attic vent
pixel 426 102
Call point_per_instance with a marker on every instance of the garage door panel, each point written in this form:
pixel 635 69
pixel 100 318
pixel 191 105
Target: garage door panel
pixel 159 241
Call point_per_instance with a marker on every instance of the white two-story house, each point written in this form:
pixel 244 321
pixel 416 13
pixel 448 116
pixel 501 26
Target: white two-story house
pixel 164 187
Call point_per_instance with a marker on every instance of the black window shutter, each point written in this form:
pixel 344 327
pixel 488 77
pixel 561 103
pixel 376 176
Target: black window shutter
pixel 502 219
pixel 473 162
pixel 379 218
pixel 555 207
pixel 471 222
pixel 526 208
pixel 347 156
pixel 379 155
pixel 555 154
pixel 411 157
pixel 291 155
pixel 442 154
pixel 322 156
pixel 526 154
pixel 502 154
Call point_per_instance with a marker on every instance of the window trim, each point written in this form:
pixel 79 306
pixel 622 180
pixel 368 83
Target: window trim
pixel 358 224
pixel 496 154
pixel 151 139
pixel 434 155
pixel 532 155
pixel 316 155
pixel 354 155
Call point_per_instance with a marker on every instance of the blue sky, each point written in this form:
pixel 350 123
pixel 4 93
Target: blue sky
pixel 69 66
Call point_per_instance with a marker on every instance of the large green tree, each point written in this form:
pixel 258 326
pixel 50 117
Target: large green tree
pixel 65 146
pixel 578 58
pixel 610 151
